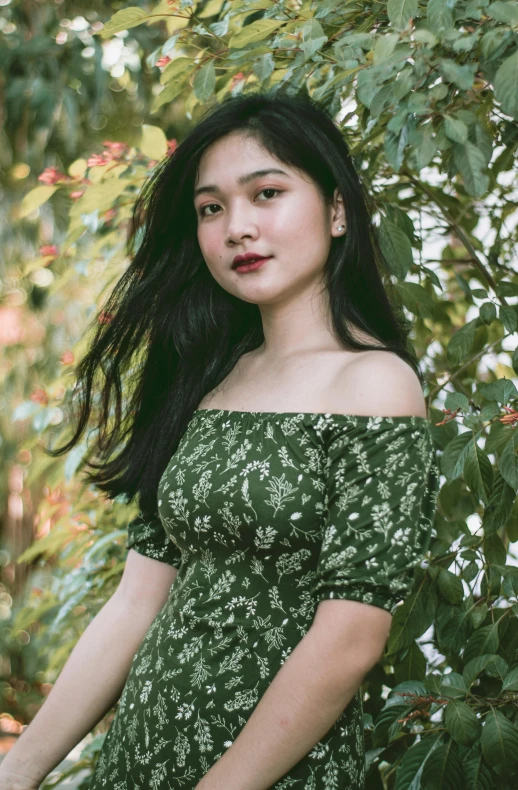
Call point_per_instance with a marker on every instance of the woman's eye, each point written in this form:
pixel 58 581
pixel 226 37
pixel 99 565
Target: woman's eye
pixel 203 208
pixel 269 189
pixel 211 205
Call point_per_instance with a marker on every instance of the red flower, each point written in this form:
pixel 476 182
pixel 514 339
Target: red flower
pixel 40 396
pixel 51 176
pixel 49 249
pixel 114 148
pixel 104 318
pixel 237 78
pixel 172 145
pixel 110 214
pixel 67 358
pixel 511 417
pixel 77 194
pixel 96 160
pixel 163 61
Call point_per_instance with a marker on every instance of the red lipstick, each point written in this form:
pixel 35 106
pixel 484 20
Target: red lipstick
pixel 249 261
pixel 252 266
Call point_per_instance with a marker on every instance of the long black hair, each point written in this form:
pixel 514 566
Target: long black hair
pixel 175 333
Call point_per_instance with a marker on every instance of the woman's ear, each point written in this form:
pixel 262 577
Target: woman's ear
pixel 338 222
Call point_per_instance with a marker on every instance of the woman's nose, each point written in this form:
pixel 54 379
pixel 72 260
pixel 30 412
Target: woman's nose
pixel 241 226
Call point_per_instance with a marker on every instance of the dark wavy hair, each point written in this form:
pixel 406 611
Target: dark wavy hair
pixel 175 333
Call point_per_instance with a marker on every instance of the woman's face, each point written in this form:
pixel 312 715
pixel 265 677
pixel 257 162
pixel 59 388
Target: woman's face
pixel 281 215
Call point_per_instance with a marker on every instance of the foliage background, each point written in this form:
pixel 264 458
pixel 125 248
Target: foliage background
pixel 93 95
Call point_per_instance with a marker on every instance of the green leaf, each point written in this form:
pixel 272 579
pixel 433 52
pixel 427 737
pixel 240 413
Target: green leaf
pixel 462 76
pixel 471 163
pixel 453 685
pixel 387 724
pixel 504 12
pixel 503 391
pixel 439 16
pixel 426 150
pixel 456 400
pixel 34 199
pixel 455 130
pixel 508 461
pixel 484 640
pixel 478 472
pixel 400 12
pixel 499 741
pixel 153 142
pixel 257 31
pixel 511 680
pixel 205 82
pixel 122 20
pixel 171 91
pixel 450 586
pixel 313 38
pixel 410 770
pixel 494 550
pixel 396 247
pixel 462 723
pixel 411 619
pixel 405 691
pixel 47 545
pixel 100 196
pixel 478 613
pixel 493 665
pixel 506 80
pixel 443 769
pixel 384 47
pixel 509 317
pixel 176 67
pixel 478 775
pixel 394 145
pixel 412 666
pixel 461 343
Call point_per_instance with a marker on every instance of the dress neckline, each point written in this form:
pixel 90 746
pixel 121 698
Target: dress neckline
pixel 361 417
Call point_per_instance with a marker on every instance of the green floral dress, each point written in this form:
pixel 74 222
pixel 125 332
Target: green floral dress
pixel 264 514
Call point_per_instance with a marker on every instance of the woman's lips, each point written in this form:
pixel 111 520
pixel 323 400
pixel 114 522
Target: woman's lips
pixel 250 267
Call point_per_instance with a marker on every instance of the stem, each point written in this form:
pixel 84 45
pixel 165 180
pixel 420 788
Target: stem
pixel 458 231
pixel 465 365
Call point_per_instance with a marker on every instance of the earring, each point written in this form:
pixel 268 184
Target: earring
pixel 340 227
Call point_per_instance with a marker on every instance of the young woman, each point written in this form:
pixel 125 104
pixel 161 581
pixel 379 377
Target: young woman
pixel 277 439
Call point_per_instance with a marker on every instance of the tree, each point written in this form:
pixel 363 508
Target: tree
pixel 427 94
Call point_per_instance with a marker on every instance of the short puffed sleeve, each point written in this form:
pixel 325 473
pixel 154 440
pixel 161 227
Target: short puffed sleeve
pixel 147 536
pixel 382 481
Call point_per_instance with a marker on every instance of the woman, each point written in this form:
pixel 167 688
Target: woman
pixel 277 440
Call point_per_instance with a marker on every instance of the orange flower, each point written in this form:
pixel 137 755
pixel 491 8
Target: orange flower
pixel 67 358
pixel 77 194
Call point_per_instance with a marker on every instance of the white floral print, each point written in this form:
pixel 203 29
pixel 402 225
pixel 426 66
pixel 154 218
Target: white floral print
pixel 265 514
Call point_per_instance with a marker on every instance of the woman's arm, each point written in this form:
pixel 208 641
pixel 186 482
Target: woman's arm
pixel 92 679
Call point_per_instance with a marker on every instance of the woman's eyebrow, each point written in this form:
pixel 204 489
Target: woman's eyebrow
pixel 242 180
